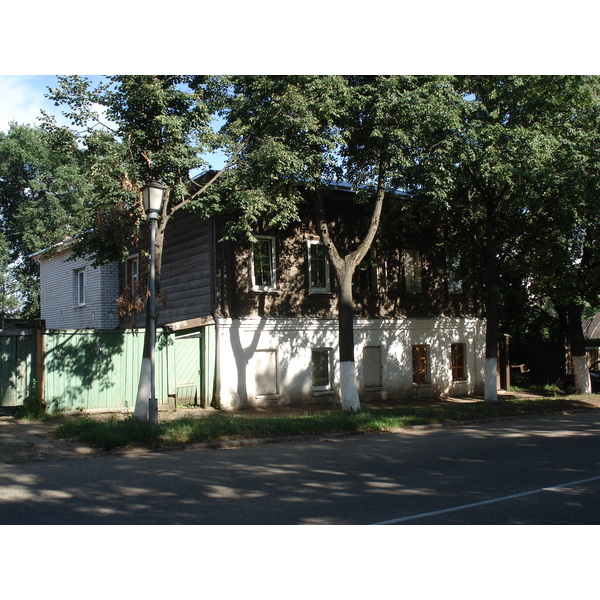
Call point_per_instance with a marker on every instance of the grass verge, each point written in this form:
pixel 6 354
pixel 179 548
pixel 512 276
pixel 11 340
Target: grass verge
pixel 114 432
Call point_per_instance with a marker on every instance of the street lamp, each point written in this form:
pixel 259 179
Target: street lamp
pixel 153 194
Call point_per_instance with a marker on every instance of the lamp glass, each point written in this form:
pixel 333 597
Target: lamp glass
pixel 153 193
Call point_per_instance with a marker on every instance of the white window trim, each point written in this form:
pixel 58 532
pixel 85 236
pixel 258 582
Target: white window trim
pixel 413 271
pixel 328 388
pixel 272 260
pixel 131 259
pixel 275 374
pixel 80 290
pixel 317 290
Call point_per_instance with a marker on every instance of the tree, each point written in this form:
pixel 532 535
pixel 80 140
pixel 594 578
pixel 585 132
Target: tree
pixel 153 127
pixel 305 132
pixel 563 241
pixel 502 141
pixel 43 186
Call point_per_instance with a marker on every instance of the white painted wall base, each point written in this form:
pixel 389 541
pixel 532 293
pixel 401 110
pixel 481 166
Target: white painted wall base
pixel 242 344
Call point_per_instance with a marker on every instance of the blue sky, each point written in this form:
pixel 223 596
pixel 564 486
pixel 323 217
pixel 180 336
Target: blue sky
pixel 23 96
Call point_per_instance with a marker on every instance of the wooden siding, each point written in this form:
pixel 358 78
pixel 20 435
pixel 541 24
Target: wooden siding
pixel 187 271
pixel 236 297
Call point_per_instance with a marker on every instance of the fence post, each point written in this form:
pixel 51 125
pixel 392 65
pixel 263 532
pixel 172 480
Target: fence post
pixel 40 370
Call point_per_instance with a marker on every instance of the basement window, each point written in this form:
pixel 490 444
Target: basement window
pixel 458 362
pixel 420 364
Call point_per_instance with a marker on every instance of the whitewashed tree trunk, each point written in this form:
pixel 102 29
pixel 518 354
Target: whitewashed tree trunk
pixel 490 393
pixel 349 387
pixel 581 374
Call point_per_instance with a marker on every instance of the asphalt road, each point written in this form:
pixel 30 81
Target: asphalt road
pixel 542 471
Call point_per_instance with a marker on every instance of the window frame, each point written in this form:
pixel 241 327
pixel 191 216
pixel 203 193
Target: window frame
pixel 453 282
pixel 367 270
pixel 458 369
pixel 326 289
pixel 79 287
pixel 376 350
pixel 271 356
pixel 412 259
pixel 129 276
pixel 421 353
pixel 329 385
pixel 272 264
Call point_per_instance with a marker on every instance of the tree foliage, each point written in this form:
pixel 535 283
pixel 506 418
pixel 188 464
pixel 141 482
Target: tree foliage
pixel 44 192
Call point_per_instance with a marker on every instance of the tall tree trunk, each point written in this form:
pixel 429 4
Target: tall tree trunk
pixel 581 372
pixel 348 382
pixel 344 269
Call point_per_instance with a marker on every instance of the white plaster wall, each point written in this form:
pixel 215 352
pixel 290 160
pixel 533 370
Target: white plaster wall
pixel 293 340
pixel 57 294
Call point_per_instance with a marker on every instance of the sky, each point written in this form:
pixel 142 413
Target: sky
pixel 22 97
pixel 316 36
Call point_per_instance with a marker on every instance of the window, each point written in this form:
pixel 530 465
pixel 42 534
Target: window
pixel 132 274
pixel 420 364
pixel 321 369
pixel 263 264
pixel 79 287
pixel 458 362
pixel 365 278
pixel 453 275
pixel 412 272
pixel 265 373
pixel 372 366
pixel 318 268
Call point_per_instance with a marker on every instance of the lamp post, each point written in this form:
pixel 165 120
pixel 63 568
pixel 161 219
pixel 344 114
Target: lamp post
pixel 153 194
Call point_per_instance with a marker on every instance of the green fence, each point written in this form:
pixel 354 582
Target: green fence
pixel 17 366
pixel 100 369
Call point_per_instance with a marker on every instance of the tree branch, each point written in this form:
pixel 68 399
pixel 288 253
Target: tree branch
pixel 197 193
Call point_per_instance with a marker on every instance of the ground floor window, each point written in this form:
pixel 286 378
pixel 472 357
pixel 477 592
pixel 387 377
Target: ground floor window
pixel 321 368
pixel 265 373
pixel 458 362
pixel 372 366
pixel 420 363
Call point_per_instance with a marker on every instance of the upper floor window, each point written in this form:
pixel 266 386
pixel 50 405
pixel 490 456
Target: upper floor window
pixel 365 277
pixel 264 275
pixel 318 268
pixel 79 283
pixel 132 273
pixel 453 276
pixel 413 266
pixel 458 362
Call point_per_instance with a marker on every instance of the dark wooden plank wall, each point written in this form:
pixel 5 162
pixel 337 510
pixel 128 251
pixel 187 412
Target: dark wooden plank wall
pixel 187 285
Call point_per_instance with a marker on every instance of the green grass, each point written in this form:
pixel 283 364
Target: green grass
pixel 114 432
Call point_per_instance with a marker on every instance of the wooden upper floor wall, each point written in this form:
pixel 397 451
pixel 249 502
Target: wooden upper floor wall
pixel 202 276
pixel 399 277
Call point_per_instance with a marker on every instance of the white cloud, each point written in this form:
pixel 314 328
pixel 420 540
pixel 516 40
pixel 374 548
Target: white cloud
pixel 22 98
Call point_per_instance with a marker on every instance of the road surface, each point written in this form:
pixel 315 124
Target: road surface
pixel 530 471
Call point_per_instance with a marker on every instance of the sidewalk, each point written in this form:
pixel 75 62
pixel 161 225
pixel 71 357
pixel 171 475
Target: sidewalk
pixel 27 441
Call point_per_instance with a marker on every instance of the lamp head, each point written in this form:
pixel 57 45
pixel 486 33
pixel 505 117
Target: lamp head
pixel 153 194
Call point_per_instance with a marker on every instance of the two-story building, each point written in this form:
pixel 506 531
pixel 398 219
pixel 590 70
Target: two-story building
pixel 266 311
